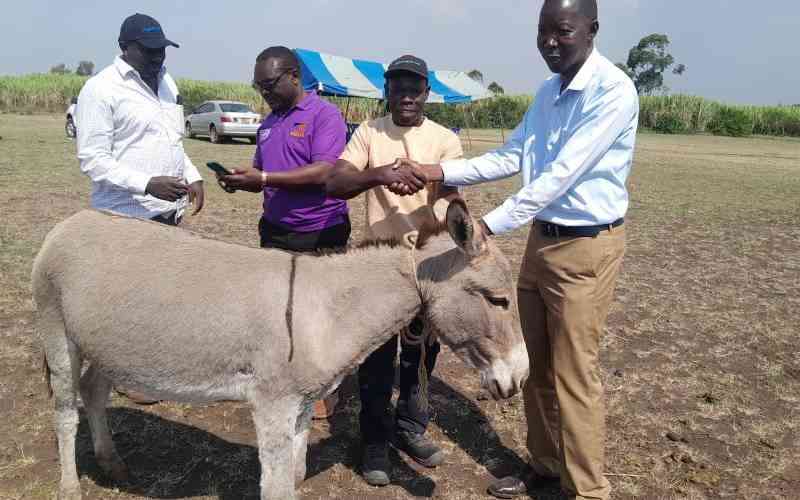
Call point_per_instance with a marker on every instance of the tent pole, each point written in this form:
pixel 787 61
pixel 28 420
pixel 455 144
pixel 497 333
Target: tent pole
pixel 466 121
pixel 347 109
pixel 502 127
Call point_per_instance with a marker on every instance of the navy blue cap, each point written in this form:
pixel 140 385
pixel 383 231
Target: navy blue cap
pixel 408 64
pixel 145 30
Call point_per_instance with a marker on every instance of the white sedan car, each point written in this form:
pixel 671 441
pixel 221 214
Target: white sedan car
pixel 222 119
pixel 69 125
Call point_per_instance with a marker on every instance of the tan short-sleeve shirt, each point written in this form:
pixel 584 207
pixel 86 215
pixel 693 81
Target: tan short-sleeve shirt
pixel 380 142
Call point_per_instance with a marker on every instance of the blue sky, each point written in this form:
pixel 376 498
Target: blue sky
pixel 733 51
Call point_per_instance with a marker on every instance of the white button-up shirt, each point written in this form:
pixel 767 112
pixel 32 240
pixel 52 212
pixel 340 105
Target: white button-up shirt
pixel 126 135
pixel 574 148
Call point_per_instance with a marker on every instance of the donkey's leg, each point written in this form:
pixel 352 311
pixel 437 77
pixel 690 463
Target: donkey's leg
pixel 63 360
pixel 275 423
pixel 300 444
pixel 95 388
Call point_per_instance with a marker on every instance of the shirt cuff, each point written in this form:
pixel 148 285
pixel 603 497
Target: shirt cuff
pixel 454 171
pixel 499 221
pixel 191 174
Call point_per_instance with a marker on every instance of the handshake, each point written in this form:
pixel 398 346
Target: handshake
pixel 405 177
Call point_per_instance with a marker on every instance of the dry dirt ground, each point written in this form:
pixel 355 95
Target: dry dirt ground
pixel 700 359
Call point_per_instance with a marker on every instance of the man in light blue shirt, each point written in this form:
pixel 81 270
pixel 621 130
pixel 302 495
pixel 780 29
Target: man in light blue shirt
pixel 574 149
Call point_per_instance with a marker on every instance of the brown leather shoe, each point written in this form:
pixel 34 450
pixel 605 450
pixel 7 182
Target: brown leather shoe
pixel 512 487
pixel 325 408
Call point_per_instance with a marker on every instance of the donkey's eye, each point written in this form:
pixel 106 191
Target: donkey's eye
pixel 498 301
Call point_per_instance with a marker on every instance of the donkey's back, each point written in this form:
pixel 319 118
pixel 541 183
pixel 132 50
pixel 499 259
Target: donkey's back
pixel 160 309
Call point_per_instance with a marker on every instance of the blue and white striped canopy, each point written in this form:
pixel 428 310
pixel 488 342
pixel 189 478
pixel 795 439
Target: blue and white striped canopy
pixel 335 75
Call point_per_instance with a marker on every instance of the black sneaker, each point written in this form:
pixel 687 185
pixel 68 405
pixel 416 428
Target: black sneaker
pixel 375 465
pixel 419 447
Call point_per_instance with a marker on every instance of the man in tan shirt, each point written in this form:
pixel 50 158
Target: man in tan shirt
pixel 369 163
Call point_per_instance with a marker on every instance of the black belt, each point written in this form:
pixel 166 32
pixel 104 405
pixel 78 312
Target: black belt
pixel 168 218
pixel 556 231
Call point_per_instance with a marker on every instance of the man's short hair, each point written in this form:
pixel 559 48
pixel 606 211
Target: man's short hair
pixel 285 55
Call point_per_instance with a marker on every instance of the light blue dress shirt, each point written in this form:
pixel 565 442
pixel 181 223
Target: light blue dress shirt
pixel 574 149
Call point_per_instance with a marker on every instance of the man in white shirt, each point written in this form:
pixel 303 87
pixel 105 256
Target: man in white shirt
pixel 574 148
pixel 130 131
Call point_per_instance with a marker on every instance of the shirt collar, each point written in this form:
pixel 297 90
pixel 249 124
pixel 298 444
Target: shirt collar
pixel 307 101
pixel 126 69
pixel 586 72
pixel 304 104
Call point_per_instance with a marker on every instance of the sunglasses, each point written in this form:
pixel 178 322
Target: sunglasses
pixel 268 86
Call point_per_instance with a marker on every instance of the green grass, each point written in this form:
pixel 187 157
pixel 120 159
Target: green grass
pixel 667 114
pixel 697 115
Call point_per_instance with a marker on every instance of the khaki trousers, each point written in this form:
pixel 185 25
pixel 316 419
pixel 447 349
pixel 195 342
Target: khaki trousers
pixel 564 291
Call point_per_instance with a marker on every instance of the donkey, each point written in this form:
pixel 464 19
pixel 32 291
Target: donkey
pixel 275 329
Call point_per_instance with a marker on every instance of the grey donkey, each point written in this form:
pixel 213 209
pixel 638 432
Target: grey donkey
pixel 139 303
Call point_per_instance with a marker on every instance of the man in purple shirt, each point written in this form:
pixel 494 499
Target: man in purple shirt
pixel 298 143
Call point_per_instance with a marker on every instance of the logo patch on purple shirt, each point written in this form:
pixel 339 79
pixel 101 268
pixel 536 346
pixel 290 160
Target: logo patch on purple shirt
pixel 299 130
pixel 263 134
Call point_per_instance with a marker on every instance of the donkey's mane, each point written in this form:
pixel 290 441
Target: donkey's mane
pixel 430 230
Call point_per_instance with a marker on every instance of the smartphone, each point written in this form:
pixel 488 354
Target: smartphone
pixel 219 169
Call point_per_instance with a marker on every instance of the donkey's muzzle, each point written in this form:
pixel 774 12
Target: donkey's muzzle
pixel 506 376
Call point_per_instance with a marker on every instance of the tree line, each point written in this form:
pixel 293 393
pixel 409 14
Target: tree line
pixel 85 68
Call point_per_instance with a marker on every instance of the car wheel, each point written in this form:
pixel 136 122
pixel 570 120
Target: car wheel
pixel 69 128
pixel 189 132
pixel 213 136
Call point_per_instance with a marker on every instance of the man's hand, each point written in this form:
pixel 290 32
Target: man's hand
pixel 403 178
pixel 197 196
pixel 243 179
pixel 431 173
pixel 166 188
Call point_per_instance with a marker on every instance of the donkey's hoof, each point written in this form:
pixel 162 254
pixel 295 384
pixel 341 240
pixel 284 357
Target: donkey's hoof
pixel 115 469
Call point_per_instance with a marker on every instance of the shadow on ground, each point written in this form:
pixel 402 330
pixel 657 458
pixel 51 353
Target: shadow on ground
pixel 169 459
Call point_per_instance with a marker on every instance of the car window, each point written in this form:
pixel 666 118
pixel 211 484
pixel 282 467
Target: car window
pixel 235 107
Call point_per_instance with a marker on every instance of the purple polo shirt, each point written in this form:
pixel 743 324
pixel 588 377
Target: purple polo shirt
pixel 312 131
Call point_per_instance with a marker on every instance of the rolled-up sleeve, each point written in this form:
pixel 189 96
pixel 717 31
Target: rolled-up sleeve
pixel 95 124
pixel 603 121
pixel 190 172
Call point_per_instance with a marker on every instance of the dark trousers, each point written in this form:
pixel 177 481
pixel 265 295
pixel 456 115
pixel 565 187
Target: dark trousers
pixel 376 379
pixel 274 236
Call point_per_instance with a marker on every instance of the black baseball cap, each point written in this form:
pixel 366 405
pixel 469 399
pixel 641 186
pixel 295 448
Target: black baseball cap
pixel 408 64
pixel 145 30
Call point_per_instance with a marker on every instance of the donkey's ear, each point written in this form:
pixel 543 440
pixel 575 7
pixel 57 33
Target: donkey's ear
pixel 462 228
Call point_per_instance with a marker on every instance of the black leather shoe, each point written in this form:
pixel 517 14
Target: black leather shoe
pixel 375 465
pixel 419 447
pixel 512 487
